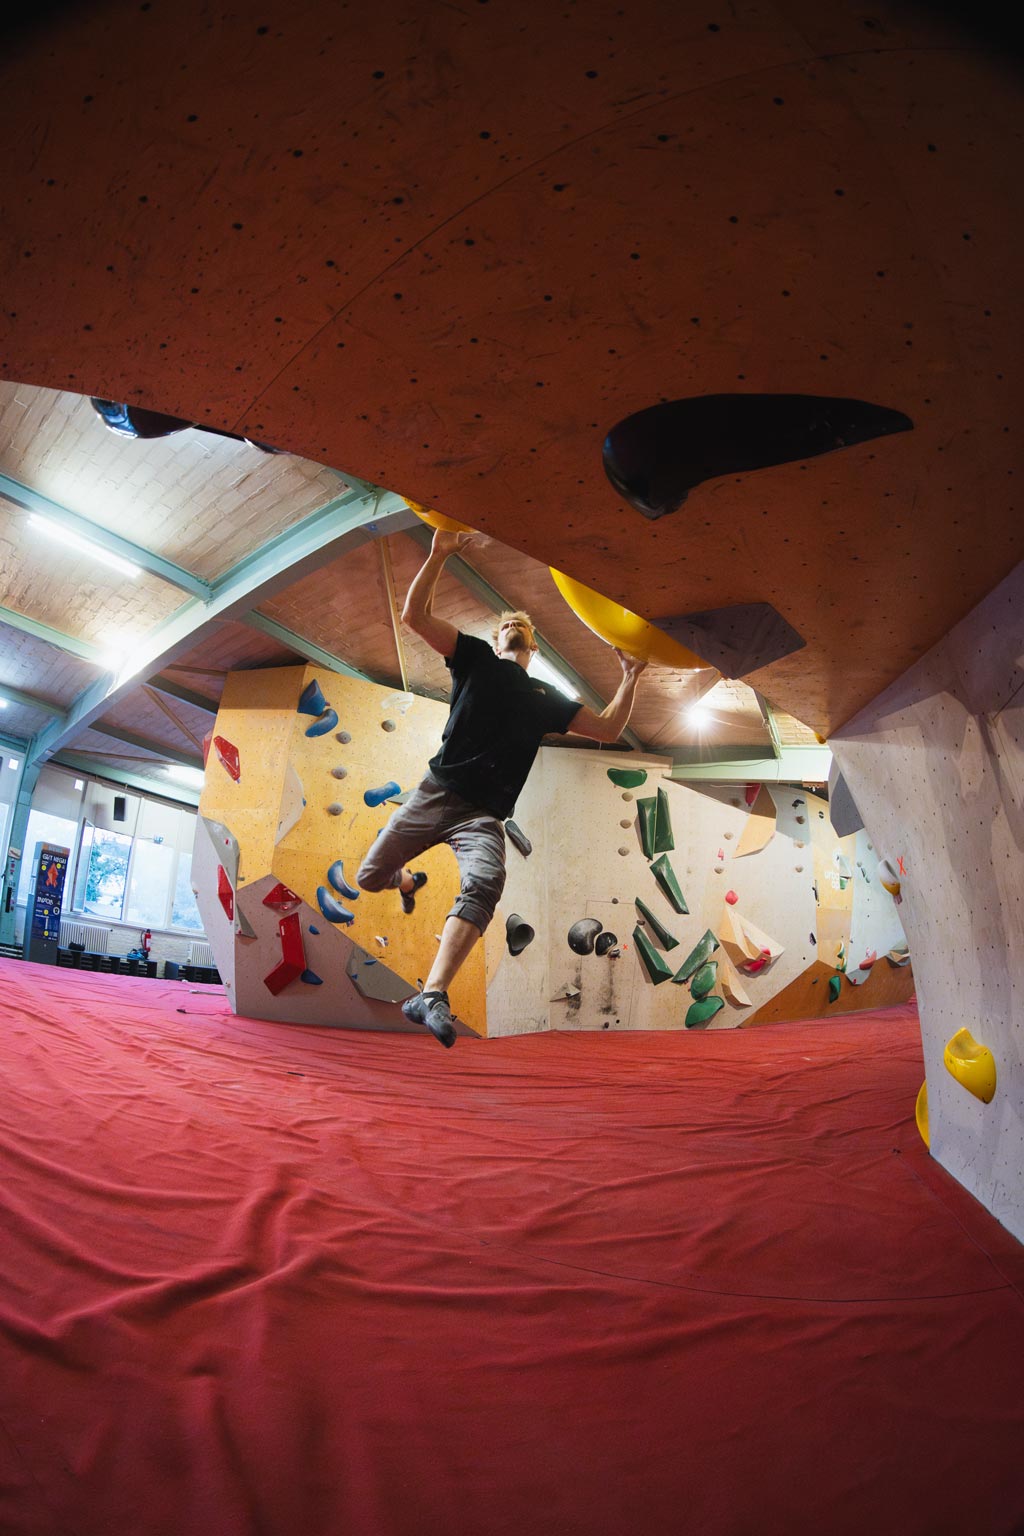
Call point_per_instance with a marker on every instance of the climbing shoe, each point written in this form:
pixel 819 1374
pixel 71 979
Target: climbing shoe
pixel 419 880
pixel 433 1011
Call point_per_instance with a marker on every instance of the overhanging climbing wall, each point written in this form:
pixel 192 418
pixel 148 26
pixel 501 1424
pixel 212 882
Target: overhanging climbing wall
pixel 936 766
pixel 303 770
pixel 661 906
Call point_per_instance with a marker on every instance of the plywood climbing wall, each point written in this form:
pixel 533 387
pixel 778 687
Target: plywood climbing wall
pixel 936 767
pixel 285 798
pixel 758 868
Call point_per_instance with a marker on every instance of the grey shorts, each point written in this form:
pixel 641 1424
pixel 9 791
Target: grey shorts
pixel 431 815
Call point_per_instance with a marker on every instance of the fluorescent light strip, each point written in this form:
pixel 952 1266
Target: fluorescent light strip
pixel 62 535
pixel 542 668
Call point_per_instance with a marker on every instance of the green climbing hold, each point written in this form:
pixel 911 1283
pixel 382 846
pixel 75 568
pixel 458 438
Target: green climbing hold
pixel 699 955
pixel 700 1013
pixel 648 810
pixel 657 927
pixel 663 872
pixel 654 965
pixel 835 986
pixel 628 778
pixel 704 980
pixel 663 839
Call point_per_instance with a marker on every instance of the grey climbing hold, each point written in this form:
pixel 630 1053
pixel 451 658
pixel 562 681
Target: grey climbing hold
pixel 339 773
pixel 343 737
pixel 518 934
pixel 387 725
pixel 583 934
pixel 334 809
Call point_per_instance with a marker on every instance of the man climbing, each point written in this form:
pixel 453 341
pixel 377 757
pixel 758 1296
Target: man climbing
pixel 499 715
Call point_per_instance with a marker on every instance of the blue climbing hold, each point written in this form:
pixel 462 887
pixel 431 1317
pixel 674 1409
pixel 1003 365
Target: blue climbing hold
pixel 324 724
pixel 385 792
pixel 336 877
pixel 332 909
pixel 313 928
pixel 311 979
pixel 312 701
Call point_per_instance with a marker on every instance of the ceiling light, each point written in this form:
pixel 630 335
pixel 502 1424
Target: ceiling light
pixel 67 536
pixel 543 669
pixel 698 715
pixel 13 764
pixel 3 703
pixel 181 774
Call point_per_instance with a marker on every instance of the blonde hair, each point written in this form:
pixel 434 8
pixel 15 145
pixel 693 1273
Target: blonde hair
pixel 512 613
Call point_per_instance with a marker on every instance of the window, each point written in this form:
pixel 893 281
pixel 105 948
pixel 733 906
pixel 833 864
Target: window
pixel 149 885
pixel 106 873
pixel 185 913
pixel 42 828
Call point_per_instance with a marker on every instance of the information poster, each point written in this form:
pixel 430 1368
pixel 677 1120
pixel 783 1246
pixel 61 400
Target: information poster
pixel 42 929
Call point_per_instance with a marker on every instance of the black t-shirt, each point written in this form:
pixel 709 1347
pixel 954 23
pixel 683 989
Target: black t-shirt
pixel 498 716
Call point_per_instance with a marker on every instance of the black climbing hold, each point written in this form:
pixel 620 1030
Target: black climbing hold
pixel 518 934
pixel 583 934
pixel 604 942
pixel 655 457
pixel 518 838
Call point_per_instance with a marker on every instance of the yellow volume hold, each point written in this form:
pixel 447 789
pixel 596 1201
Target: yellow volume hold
pixel 971 1064
pixel 921 1115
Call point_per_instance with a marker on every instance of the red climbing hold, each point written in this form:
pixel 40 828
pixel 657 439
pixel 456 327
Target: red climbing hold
pixel 293 959
pixel 280 898
pixel 225 895
pixel 228 754
pixel 751 792
pixel 731 898
pixel 758 964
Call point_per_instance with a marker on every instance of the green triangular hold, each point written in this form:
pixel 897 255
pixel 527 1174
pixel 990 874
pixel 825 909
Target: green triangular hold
pixel 699 955
pixel 663 839
pixel 704 980
pixel 654 965
pixel 628 778
pixel 835 986
pixel 656 926
pixel 700 1013
pixel 663 872
pixel 648 810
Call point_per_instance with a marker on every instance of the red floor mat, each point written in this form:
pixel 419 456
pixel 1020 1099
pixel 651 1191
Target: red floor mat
pixel 270 1279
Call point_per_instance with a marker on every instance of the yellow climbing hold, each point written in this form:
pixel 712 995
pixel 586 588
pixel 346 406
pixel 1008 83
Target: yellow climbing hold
pixel 972 1065
pixel 619 626
pixel 921 1114
pixel 436 519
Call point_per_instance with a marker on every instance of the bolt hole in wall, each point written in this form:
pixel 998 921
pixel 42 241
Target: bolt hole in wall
pixel 130 866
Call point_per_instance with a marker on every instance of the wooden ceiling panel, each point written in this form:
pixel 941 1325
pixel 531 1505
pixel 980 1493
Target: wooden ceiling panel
pixel 203 502
pixel 96 744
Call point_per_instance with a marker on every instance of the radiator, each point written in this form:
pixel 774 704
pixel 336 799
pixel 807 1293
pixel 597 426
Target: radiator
pixel 94 939
pixel 200 954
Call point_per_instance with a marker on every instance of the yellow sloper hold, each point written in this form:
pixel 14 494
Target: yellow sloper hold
pixel 620 627
pixel 921 1114
pixel 973 1065
pixel 436 519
